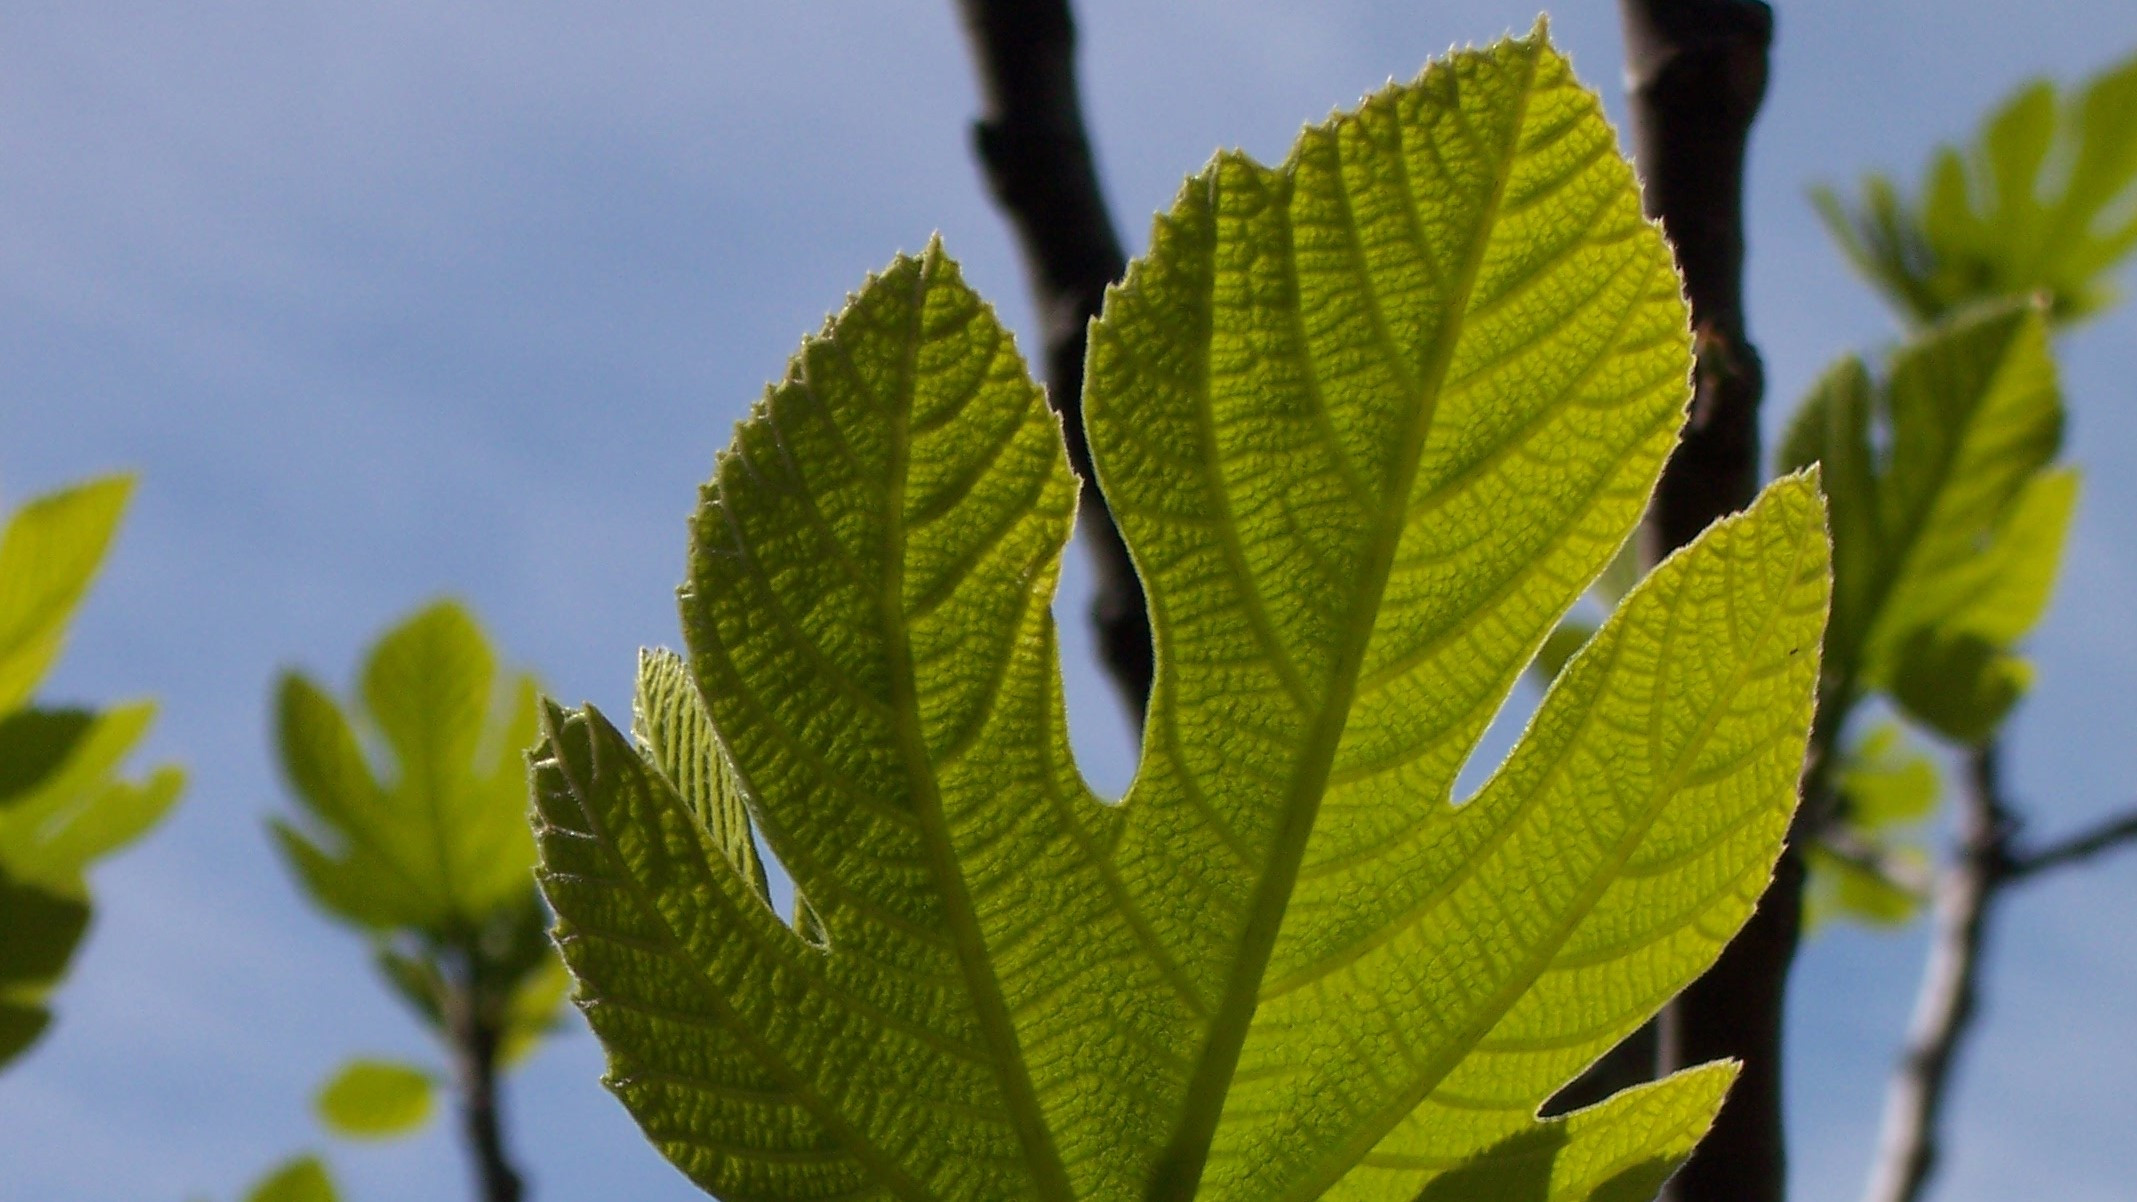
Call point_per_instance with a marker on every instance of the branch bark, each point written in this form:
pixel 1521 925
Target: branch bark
pixel 1031 143
pixel 2105 836
pixel 1696 72
pixel 1945 1007
pixel 475 1034
pixel 1988 862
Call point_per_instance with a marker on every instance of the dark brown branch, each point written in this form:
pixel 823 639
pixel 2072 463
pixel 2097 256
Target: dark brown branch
pixel 2120 831
pixel 474 1032
pixel 1945 1006
pixel 1696 71
pixel 1031 142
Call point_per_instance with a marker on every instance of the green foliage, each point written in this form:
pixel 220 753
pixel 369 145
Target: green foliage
pixel 1876 871
pixel 1948 520
pixel 373 1099
pixel 63 804
pixel 436 843
pixel 2044 200
pixel 1371 422
pixel 426 851
pixel 303 1179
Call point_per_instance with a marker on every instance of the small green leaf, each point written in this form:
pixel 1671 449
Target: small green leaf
pixel 435 839
pixel 42 929
pixel 534 1012
pixel 20 1025
pixel 2043 201
pixel 376 1099
pixel 304 1179
pixel 1843 888
pixel 1885 783
pixel 48 556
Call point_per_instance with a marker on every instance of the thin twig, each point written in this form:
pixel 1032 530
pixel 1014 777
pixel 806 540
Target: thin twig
pixel 1696 73
pixel 1031 141
pixel 1843 844
pixel 2107 835
pixel 1987 864
pixel 1945 1007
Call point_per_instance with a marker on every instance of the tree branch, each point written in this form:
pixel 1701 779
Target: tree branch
pixel 1696 74
pixel 2105 836
pixel 1031 142
pixel 474 1033
pixel 1988 862
pixel 1944 1009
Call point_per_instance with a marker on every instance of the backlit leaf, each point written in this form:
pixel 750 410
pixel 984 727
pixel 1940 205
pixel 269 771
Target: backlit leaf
pixel 1947 520
pixel 433 836
pixel 63 803
pixel 1371 422
pixel 376 1099
pixel 2044 200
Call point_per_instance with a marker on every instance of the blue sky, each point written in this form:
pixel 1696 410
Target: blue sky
pixel 399 299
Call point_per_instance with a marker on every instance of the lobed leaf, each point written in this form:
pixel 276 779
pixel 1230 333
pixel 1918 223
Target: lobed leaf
pixel 63 803
pixel 2044 200
pixel 435 838
pixel 1371 422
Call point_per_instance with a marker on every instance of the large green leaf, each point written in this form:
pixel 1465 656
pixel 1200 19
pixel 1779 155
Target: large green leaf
pixel 2044 200
pixel 1371 422
pixel 435 839
pixel 1948 520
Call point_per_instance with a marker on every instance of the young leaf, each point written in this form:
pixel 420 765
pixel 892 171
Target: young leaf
pixel 1947 521
pixel 436 840
pixel 1870 865
pixel 49 554
pixel 2045 200
pixel 304 1179
pixel 62 801
pixel 376 1099
pixel 1371 422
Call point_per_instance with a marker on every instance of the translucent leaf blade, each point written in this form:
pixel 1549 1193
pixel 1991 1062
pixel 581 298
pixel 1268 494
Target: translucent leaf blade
pixel 376 1099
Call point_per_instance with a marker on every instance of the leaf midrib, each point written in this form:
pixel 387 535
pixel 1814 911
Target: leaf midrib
pixel 1496 1007
pixel 1178 1172
pixel 990 1009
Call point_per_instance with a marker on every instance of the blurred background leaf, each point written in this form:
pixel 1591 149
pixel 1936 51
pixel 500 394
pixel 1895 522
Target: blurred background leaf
pixel 2043 199
pixel 62 802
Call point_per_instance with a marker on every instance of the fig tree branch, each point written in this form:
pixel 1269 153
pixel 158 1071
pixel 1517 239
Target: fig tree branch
pixel 1696 74
pixel 1032 145
pixel 1987 863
